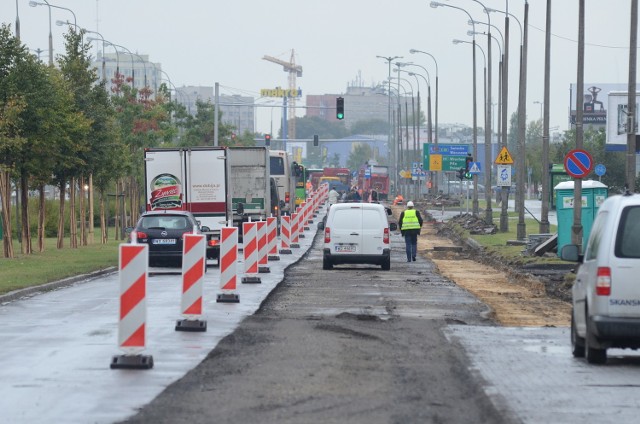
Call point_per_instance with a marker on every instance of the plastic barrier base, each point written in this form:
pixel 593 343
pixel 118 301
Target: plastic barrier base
pixel 251 280
pixel 263 270
pixel 301 236
pixel 135 362
pixel 228 298
pixel 285 251
pixel 191 325
pixel 294 245
pixel 274 257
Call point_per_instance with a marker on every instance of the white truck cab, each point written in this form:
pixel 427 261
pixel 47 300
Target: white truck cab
pixel 606 291
pixel 357 233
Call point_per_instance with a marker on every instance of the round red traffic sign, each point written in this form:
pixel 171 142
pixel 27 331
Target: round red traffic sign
pixel 578 163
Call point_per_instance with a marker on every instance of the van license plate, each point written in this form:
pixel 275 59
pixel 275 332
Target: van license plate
pixel 164 241
pixel 345 248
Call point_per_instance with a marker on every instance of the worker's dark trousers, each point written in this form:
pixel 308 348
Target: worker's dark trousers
pixel 411 242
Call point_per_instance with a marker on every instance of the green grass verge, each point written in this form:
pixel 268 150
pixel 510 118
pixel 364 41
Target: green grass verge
pixel 54 264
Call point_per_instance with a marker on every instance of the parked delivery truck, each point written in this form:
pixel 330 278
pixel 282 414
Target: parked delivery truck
pixel 189 179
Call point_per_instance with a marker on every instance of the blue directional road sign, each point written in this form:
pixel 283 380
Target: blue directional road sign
pixel 600 170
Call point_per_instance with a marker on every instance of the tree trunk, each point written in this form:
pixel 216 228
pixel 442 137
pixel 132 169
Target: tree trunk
pixel 91 207
pixel 41 218
pixel 63 190
pixel 117 212
pixel 83 213
pixel 5 199
pixel 73 220
pixel 103 221
pixel 27 249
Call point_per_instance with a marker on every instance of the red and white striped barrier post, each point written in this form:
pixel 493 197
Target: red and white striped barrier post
pixel 263 253
pixel 272 239
pixel 228 271
pixel 302 213
pixel 194 252
pixel 132 337
pixel 250 251
pixel 285 235
pixel 307 213
pixel 295 225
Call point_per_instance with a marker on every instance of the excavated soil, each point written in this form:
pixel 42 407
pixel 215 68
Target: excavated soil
pixel 516 296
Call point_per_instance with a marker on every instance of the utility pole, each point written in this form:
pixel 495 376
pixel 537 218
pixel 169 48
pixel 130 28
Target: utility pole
pixel 576 228
pixel 631 102
pixel 544 218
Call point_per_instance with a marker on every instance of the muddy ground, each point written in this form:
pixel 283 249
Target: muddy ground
pixel 518 294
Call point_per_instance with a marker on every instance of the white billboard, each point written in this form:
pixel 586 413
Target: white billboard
pixel 619 121
pixel 594 111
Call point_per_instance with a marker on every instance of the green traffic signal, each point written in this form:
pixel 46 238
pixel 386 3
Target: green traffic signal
pixel 468 175
pixel 340 108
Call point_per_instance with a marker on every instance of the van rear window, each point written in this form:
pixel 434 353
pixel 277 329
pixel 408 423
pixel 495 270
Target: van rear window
pixel 347 219
pixel 371 219
pixel 628 237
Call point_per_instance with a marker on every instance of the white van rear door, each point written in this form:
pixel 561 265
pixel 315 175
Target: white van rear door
pixel 373 224
pixel 346 230
pixel 625 266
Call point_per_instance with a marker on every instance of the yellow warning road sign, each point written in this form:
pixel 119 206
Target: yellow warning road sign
pixel 435 162
pixel 504 157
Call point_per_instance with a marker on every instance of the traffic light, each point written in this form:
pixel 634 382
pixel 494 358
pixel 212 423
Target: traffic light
pixel 315 141
pixel 461 173
pixel 340 108
pixel 267 139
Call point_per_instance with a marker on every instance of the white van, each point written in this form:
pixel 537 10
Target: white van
pixel 357 233
pixel 606 292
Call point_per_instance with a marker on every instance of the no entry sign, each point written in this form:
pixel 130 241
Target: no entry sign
pixel 578 163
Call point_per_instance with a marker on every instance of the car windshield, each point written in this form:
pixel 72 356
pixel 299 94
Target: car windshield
pixel 165 222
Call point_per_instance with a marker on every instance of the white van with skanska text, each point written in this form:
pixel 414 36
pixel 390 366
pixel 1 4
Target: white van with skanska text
pixel 606 291
pixel 357 233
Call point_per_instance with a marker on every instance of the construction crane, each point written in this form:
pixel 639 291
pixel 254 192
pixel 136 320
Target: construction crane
pixel 294 71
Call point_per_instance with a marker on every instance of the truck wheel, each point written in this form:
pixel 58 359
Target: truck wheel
pixel 594 355
pixel 326 264
pixel 577 342
pixel 386 265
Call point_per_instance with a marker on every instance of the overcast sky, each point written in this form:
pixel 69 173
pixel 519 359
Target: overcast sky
pixel 200 42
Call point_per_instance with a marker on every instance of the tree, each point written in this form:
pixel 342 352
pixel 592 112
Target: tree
pixel 360 154
pixel 12 106
pixel 370 127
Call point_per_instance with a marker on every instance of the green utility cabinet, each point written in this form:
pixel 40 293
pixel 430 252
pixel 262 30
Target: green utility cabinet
pixel 593 194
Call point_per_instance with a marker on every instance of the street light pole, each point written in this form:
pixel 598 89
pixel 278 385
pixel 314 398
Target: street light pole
pixel 390 144
pixel 434 182
pixel 17 21
pixel 436 4
pixel 544 214
pixel 521 232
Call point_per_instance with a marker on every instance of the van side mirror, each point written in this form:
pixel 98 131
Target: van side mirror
pixel 570 252
pixel 204 228
pixel 389 211
pixel 393 226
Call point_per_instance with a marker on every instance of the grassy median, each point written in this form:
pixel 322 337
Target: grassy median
pixel 54 264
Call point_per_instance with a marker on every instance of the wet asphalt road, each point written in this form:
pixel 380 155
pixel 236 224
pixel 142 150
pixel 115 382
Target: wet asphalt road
pixel 351 345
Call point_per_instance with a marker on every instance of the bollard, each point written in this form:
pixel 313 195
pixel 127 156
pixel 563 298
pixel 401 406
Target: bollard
pixel 295 225
pixel 228 271
pixel 133 271
pixel 272 239
pixel 250 242
pixel 263 259
pixel 285 235
pixel 194 252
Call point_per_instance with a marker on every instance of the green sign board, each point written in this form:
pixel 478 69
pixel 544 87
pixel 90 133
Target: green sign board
pixel 444 157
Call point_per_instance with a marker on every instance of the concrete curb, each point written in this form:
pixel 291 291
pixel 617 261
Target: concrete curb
pixel 54 285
